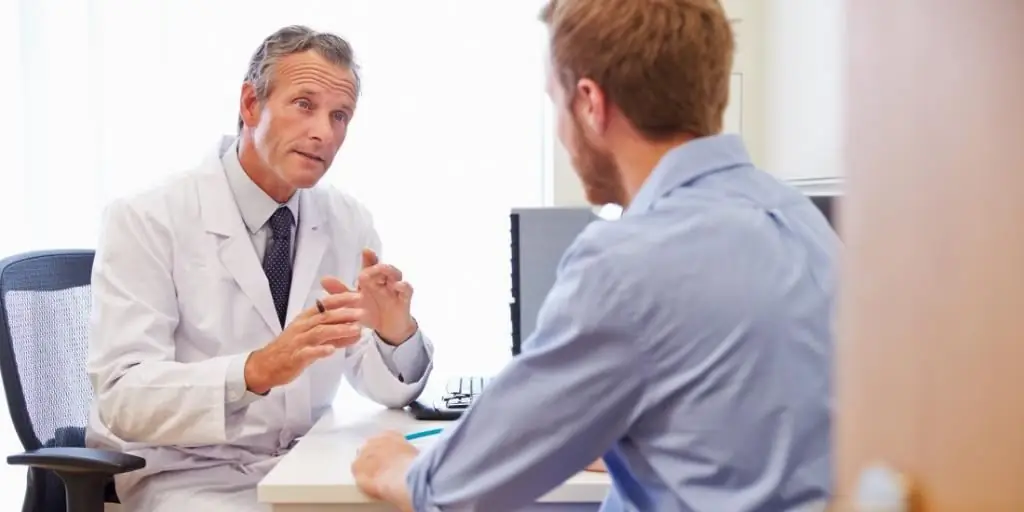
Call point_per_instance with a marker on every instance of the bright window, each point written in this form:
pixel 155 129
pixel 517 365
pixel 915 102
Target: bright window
pixel 110 96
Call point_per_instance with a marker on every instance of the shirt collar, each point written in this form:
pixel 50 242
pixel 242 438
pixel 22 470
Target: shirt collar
pixel 254 204
pixel 686 163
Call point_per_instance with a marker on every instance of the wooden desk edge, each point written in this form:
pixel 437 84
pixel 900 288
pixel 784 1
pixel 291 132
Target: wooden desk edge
pixel 281 493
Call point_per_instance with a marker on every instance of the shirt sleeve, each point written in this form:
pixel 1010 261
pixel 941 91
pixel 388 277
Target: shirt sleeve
pixel 408 361
pixel 237 393
pixel 143 394
pixel 562 403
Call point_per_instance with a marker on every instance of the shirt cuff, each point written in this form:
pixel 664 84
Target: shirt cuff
pixel 408 361
pixel 416 481
pixel 236 395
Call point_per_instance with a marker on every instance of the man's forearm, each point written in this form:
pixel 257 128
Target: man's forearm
pixel 167 402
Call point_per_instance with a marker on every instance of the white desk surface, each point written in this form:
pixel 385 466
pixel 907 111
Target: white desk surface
pixel 316 475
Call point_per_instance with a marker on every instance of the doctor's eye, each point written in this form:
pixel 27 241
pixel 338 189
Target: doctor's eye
pixel 304 104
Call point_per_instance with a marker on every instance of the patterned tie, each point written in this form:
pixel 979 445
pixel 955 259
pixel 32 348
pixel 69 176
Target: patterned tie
pixel 277 262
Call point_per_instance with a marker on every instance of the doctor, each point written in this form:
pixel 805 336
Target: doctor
pixel 230 301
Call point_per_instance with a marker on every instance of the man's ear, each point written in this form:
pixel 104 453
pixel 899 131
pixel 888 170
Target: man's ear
pixel 591 104
pixel 249 107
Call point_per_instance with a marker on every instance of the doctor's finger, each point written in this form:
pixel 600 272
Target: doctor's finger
pixel 369 257
pixel 381 271
pixel 338 315
pixel 333 285
pixel 338 300
pixel 326 333
pixel 404 290
pixel 308 355
pixel 347 341
pixel 312 317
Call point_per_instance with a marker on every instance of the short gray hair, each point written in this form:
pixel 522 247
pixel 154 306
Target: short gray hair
pixel 289 41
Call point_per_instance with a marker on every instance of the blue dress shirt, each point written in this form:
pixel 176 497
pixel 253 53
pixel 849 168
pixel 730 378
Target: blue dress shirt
pixel 689 343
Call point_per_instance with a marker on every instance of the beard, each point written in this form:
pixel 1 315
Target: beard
pixel 597 170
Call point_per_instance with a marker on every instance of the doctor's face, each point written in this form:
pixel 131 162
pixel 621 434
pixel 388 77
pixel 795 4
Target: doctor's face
pixel 305 118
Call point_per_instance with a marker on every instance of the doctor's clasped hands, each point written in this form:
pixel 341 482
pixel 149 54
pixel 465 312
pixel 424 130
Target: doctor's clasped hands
pixel 311 336
pixel 381 303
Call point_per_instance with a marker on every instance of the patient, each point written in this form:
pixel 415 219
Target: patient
pixel 687 344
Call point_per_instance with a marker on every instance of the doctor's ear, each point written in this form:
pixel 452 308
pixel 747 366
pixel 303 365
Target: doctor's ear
pixel 249 106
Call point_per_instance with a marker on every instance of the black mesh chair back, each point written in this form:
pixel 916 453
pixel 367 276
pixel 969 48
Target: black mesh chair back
pixel 45 303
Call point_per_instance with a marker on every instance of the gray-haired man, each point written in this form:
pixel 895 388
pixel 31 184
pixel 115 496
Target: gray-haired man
pixel 230 301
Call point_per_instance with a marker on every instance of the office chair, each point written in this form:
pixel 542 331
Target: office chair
pixel 45 304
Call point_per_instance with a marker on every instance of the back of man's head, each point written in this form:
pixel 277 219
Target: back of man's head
pixel 665 64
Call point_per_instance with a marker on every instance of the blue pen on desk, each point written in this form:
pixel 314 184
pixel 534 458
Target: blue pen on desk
pixel 423 433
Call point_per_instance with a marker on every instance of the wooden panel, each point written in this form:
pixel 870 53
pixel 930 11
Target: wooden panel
pixel 931 329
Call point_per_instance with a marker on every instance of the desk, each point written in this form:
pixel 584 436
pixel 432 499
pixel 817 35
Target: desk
pixel 316 476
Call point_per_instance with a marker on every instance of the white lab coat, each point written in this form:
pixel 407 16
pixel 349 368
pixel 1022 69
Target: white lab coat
pixel 179 295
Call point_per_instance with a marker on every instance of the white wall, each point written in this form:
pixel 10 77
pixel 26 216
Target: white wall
pixel 788 60
pixel 564 185
pixel 747 18
pixel 803 88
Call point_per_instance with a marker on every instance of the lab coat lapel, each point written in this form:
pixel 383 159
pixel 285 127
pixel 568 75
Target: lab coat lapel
pixel 221 218
pixel 312 240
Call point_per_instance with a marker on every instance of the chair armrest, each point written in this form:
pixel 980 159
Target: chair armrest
pixel 79 460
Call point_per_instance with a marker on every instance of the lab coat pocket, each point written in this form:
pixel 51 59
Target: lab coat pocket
pixel 210 309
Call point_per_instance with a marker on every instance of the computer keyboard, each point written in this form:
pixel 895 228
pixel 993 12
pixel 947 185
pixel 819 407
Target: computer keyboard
pixel 448 403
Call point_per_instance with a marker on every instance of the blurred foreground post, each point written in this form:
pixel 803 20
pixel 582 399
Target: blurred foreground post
pixel 931 329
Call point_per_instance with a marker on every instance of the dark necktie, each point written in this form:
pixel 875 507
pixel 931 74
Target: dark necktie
pixel 277 262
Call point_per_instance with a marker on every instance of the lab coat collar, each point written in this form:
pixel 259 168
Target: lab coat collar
pixel 221 217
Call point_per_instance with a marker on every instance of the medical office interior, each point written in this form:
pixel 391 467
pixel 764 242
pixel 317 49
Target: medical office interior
pixel 453 150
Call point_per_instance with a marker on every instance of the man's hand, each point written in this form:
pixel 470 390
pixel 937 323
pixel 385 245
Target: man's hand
pixel 380 467
pixel 386 299
pixel 311 336
pixel 597 466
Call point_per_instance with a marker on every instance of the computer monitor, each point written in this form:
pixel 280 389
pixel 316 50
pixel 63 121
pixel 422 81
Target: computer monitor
pixel 540 236
pixel 828 203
